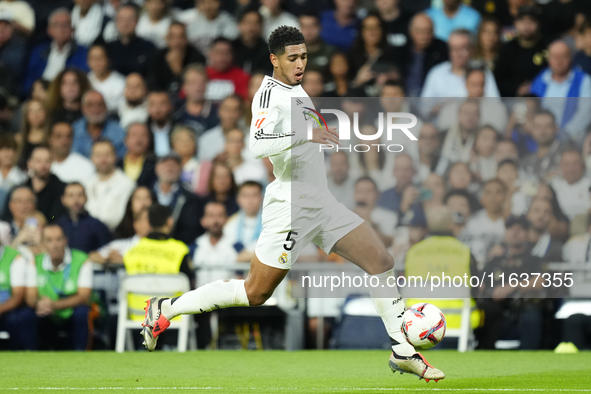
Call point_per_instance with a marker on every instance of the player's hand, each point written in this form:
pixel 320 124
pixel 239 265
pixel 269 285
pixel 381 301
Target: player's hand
pixel 325 136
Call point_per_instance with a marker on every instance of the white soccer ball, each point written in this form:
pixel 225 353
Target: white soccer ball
pixel 423 325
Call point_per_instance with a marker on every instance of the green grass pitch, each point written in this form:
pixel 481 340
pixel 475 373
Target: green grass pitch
pixel 279 372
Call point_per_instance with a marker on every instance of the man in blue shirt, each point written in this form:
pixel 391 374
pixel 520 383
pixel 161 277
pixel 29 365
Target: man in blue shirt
pixel 95 125
pixel 339 27
pixel 454 15
pixel 84 232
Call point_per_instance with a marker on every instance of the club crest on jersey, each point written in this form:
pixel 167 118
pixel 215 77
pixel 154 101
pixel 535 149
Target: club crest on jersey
pixel 283 258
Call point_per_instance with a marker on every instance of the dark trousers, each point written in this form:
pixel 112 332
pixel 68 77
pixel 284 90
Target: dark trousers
pixel 64 334
pixel 20 324
pixel 577 329
pixel 501 316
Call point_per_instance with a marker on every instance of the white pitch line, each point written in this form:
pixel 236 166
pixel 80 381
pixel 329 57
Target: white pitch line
pixel 297 388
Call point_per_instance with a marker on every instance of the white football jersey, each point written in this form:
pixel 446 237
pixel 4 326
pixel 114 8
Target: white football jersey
pixel 279 132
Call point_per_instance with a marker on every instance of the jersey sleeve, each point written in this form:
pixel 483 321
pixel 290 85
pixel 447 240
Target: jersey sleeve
pixel 267 137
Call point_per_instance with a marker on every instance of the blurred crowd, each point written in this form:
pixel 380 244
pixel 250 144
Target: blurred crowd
pixel 109 108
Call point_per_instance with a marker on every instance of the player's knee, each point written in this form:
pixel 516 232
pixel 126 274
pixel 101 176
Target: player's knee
pixel 385 261
pixel 257 297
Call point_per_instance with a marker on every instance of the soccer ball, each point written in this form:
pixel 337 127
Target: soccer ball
pixel 423 325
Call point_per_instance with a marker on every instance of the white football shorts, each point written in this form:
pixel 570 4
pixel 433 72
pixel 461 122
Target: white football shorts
pixel 287 229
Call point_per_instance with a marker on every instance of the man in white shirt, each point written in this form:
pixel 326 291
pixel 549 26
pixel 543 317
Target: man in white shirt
pixel 244 227
pixel 381 219
pixel 133 107
pixel 68 166
pixel 572 187
pixel 233 156
pixel 460 138
pixel 274 17
pixel 211 143
pixel 206 22
pixel 486 228
pixel 213 250
pixel 448 79
pixel 109 190
pixel 340 184
pixel 107 82
pixel 64 286
pixel 160 121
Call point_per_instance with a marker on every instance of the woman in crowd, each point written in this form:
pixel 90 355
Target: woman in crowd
pixel 488 42
pixel 154 22
pixel 141 198
pixel 222 187
pixel 107 82
pixel 33 130
pixel 195 174
pixel 64 98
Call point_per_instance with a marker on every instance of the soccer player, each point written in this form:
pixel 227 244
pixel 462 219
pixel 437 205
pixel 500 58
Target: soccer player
pixel 298 208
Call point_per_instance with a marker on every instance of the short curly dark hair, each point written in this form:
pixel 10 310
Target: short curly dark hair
pixel 284 36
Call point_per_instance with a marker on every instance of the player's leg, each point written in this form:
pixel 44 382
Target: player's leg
pixel 363 247
pixel 253 291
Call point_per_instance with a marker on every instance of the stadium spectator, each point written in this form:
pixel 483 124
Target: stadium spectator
pixel 13 49
pixel 195 174
pixel 543 163
pixel 560 85
pixel 233 157
pixel 460 178
pixel 113 252
pixel 339 27
pixel 225 78
pixel 48 188
pixel 10 173
pixel 141 198
pixel 129 53
pixel 582 58
pixel 33 130
pixel 26 223
pixel 64 96
pixel 157 253
pixel 153 25
pixel 250 50
pixel 107 82
pixel 319 52
pixel 42 12
pixel 482 161
pixel 88 21
pixel 559 227
pixel 253 85
pixel 67 165
pixel 541 242
pixel 429 151
pixel 83 232
pixel 213 249
pixel 453 15
pixel 206 22
pixel 488 42
pixel 313 83
pixel 47 60
pixel 16 276
pixel 96 125
pixel 572 186
pixel 448 79
pixel 486 227
pixel 243 229
pixel 139 161
pixel 340 183
pixel 404 172
pixel 170 61
pixel 396 21
pixel 420 54
pixel 20 14
pixel 517 201
pixel 522 58
pixel 460 204
pixel 160 121
pixel 222 187
pixel 64 285
pixel 339 82
pixel 459 139
pixel 369 48
pixel 519 126
pixel 274 16
pixel 184 205
pixel 196 112
pixel 384 221
pixel 133 108
pixel 211 143
pixel 498 299
pixel 110 188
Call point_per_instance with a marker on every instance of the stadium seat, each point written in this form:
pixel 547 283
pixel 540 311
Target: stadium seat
pixel 157 285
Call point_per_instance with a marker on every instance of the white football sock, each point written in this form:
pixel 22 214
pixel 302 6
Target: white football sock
pixel 215 295
pixel 390 306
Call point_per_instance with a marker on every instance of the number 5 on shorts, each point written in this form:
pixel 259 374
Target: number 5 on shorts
pixel 290 239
